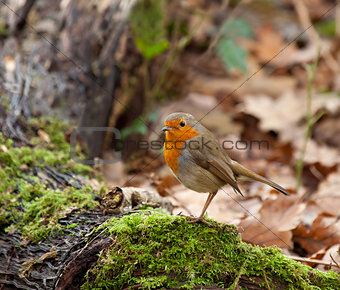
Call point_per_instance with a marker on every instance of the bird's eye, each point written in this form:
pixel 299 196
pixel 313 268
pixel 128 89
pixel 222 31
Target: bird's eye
pixel 182 124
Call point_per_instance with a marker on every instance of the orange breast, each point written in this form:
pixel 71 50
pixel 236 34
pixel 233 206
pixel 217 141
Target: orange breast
pixel 175 143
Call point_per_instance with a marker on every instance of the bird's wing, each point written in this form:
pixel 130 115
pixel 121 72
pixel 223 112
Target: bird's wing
pixel 213 158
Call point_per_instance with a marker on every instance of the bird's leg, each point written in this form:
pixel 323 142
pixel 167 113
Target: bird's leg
pixel 200 218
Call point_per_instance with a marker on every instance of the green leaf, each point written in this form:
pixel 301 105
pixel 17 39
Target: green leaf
pixel 232 55
pixel 150 50
pixel 147 23
pixel 236 28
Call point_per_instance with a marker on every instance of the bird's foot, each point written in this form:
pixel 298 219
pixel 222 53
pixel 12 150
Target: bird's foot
pixel 193 219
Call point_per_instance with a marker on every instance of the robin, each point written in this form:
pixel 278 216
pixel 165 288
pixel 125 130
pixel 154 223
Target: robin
pixel 198 161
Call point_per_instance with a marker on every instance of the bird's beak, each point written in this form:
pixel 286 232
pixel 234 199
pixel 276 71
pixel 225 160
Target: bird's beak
pixel 166 128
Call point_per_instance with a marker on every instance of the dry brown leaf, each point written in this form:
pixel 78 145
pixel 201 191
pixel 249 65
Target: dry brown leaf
pixel 268 44
pixel 44 136
pixel 327 131
pixel 274 224
pixel 290 57
pixel 257 233
pixel 327 196
pixel 249 206
pixel 319 254
pixel 272 86
pixel 332 256
pixel 324 232
pixel 315 152
pixel 4 148
pixel 280 115
pixel 309 215
pixel 284 116
pixel 284 212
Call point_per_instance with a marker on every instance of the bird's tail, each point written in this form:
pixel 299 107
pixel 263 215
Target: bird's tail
pixel 244 174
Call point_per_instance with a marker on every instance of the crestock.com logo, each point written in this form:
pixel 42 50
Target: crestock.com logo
pixel 156 145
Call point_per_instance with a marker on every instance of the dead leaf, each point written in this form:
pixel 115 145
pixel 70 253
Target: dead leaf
pixel 284 116
pixel 255 232
pixel 273 226
pixel 311 212
pixel 281 115
pixel 324 232
pixel 268 85
pixel 315 152
pixel 268 44
pixel 290 57
pixel 27 266
pixel 332 256
pixel 327 131
pixel 327 196
pixel 4 148
pixel 44 136
pixel 319 254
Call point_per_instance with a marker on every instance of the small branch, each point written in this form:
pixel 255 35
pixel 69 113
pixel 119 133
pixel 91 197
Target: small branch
pixel 335 262
pixel 311 69
pixel 314 261
pixel 265 278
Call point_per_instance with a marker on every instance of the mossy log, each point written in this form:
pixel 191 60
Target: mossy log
pixel 151 249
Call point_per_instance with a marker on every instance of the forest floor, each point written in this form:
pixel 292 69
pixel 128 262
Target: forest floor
pixel 273 101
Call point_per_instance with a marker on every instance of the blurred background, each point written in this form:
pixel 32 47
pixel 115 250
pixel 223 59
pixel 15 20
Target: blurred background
pixel 263 71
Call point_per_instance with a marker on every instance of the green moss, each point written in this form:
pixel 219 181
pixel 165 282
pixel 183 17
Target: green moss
pixel 28 205
pixel 35 210
pixel 42 214
pixel 53 153
pixel 155 250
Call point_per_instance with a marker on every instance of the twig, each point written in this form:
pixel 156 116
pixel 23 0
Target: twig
pixel 311 69
pixel 265 278
pixel 314 261
pixel 336 263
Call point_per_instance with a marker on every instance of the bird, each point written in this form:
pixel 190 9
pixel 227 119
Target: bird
pixel 198 161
